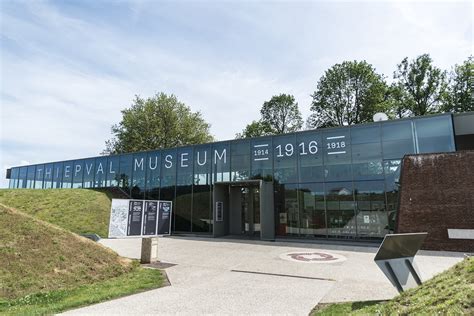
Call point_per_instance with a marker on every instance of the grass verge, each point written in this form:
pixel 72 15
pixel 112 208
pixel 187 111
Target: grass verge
pixel 56 301
pixel 448 293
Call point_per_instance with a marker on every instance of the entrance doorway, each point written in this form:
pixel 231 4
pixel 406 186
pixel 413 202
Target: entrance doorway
pixel 244 209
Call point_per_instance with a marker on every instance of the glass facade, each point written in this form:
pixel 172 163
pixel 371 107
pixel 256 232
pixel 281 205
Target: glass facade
pixel 329 183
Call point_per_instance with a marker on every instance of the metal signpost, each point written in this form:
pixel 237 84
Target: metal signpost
pixel 395 259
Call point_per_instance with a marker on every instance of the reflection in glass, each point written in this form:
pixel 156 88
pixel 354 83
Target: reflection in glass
pixel 313 213
pixel 240 160
pixel 372 220
pixel 285 156
pixel 153 172
pixel 68 170
pixel 78 174
pixel 89 171
pixel 139 164
pixel 39 175
pixel 434 134
pixel 341 221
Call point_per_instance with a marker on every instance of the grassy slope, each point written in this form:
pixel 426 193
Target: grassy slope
pixel 46 268
pixel 450 292
pixel 77 210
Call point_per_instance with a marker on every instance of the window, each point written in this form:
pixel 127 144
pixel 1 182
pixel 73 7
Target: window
pixel 287 209
pixel 310 156
pixel 57 175
pixel 366 152
pixel 125 173
pixel 111 169
pixel 30 177
pixel 183 204
pixel 88 172
pixel 434 134
pixel 261 157
pixel 313 210
pixel 202 210
pixel 14 178
pixel 78 174
pixel 48 176
pixel 285 155
pixel 397 139
pixel 100 172
pixel 139 165
pixel 202 165
pixel 337 155
pixel 240 160
pixel 220 162
pixel 67 174
pixel 372 220
pixel 22 177
pixel 153 172
pixel 341 221
pixel 39 175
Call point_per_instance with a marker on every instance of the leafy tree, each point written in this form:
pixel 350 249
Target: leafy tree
pixel 347 93
pixel 255 129
pixel 279 115
pixel 420 86
pixel 460 94
pixel 155 123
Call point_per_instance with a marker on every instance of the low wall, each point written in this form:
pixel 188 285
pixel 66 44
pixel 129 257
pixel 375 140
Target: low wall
pixel 437 194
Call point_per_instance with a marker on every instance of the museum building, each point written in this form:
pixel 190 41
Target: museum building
pixel 325 183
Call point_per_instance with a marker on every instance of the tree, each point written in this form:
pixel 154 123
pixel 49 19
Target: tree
pixel 279 115
pixel 420 86
pixel 255 129
pixel 155 123
pixel 459 96
pixel 347 93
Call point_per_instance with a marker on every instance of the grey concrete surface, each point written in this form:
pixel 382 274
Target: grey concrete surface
pixel 202 281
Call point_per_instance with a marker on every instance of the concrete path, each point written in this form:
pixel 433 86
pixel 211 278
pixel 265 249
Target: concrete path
pixel 225 276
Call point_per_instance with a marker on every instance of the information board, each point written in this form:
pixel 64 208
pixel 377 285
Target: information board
pixel 138 218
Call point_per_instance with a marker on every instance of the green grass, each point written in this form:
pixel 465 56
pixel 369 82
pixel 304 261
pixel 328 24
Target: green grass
pixel 448 293
pixel 77 210
pixel 46 269
pixel 60 300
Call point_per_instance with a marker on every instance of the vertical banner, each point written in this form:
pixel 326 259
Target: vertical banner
pixel 135 218
pixel 150 216
pixel 164 217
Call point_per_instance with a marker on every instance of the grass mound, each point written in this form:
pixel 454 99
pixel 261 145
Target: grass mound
pixel 36 256
pixel 449 293
pixel 77 210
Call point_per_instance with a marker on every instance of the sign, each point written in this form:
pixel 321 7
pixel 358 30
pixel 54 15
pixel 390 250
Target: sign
pixel 137 218
pixel 219 212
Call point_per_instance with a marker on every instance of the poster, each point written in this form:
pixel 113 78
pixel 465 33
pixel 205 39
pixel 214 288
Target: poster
pixel 135 212
pixel 137 218
pixel 150 218
pixel 219 212
pixel 164 222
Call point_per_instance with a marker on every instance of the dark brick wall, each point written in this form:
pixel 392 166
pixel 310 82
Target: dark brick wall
pixel 437 193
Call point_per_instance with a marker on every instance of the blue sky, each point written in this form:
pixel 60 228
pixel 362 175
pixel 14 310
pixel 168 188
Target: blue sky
pixel 69 67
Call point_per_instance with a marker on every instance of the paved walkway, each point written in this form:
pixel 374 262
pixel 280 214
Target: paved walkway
pixel 225 276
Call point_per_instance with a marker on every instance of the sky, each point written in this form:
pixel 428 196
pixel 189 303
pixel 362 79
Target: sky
pixel 67 68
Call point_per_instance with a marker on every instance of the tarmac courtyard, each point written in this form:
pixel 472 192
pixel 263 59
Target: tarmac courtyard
pixel 233 276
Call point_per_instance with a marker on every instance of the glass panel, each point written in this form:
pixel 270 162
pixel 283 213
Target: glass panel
pixel 39 176
pixel 337 158
pixel 68 169
pixel 48 176
pixel 366 134
pixel 434 134
pixel 100 172
pixel 313 214
pixel 139 170
pixel 111 169
pixel 284 158
pixel 392 175
pixel 240 160
pixel 125 174
pixel 310 155
pixel 183 205
pixel 367 161
pixel 397 139
pixel 30 177
pixel 57 175
pixel 22 177
pixel 168 179
pixel 341 221
pixel 261 159
pixel 287 217
pixel 88 172
pixel 372 220
pixel 78 174
pixel 202 165
pixel 153 172
pixel 220 162
pixel 14 178
pixel 202 211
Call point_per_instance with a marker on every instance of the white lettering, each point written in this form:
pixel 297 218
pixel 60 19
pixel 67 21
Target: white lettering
pixel 38 171
pixel 205 159
pixel 66 171
pixel 47 173
pixel 100 169
pixel 222 155
pixel 110 169
pixel 156 163
pixel 57 172
pixel 89 168
pixel 168 162
pixel 77 169
pixel 184 159
pixel 138 164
